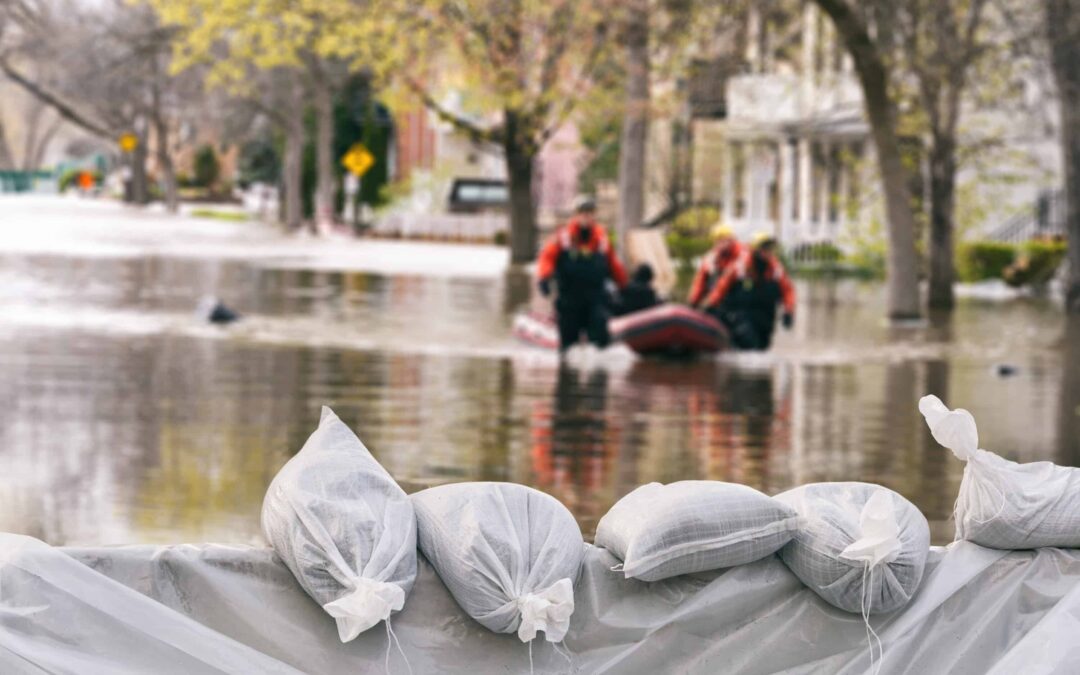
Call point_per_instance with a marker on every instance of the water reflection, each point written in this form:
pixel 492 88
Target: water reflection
pixel 1068 425
pixel 171 432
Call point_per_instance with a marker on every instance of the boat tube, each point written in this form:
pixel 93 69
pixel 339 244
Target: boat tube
pixel 667 329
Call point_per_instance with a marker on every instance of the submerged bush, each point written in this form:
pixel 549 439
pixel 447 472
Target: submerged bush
pixel 980 260
pixel 688 236
pixel 1036 263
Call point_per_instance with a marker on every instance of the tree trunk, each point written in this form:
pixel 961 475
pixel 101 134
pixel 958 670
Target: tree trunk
pixel 520 153
pixel 1063 32
pixel 140 188
pixel 7 163
pixel 30 133
pixel 326 182
pixel 902 270
pixel 942 200
pixel 165 163
pixel 292 170
pixel 635 128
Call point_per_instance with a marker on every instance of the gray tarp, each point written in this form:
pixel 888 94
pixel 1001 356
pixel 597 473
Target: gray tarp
pixel 238 609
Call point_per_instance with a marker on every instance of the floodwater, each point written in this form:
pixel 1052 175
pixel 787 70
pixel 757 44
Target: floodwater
pixel 123 419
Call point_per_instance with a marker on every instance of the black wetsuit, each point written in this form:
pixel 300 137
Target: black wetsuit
pixel 749 311
pixel 636 297
pixel 582 305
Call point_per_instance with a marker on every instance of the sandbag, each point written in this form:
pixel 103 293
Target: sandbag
pixel 343 527
pixel 661 531
pixel 509 554
pixel 861 547
pixel 1003 504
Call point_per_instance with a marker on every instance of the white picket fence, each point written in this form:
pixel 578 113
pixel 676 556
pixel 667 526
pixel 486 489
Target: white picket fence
pixel 441 226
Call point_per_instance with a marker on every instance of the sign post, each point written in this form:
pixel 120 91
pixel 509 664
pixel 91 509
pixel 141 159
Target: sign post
pixel 357 161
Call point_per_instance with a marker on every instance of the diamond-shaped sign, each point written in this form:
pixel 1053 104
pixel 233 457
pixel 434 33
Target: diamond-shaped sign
pixel 358 160
pixel 128 142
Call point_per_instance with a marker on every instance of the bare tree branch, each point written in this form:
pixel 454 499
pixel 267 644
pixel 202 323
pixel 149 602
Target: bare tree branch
pixel 475 133
pixel 65 110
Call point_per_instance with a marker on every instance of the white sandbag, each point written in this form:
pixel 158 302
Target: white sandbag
pixel 1003 504
pixel 509 554
pixel 862 547
pixel 661 531
pixel 343 527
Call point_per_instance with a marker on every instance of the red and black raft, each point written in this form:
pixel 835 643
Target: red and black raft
pixel 669 329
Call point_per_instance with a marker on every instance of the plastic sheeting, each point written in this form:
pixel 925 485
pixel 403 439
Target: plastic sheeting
pixel 232 609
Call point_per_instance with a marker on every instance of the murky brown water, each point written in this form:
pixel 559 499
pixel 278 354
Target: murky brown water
pixel 122 419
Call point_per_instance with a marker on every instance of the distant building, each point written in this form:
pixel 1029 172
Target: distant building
pixel 775 136
pixel 430 154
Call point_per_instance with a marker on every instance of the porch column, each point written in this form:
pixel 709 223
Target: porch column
pixel 786 181
pixel 729 182
pixel 806 185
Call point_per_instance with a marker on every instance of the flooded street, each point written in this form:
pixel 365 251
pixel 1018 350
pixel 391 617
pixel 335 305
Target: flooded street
pixel 124 419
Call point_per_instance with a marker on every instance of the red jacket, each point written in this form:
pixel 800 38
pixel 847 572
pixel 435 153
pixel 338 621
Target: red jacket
pixel 712 268
pixel 567 238
pixel 743 268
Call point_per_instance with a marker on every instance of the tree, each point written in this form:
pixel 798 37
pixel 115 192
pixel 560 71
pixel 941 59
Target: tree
pixel 635 125
pixel 526 66
pixel 1063 34
pixel 101 68
pixel 941 42
pixel 872 68
pixel 316 41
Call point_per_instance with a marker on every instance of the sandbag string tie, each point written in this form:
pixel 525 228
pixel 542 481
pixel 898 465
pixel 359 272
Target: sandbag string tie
pixel 390 635
pixel 865 605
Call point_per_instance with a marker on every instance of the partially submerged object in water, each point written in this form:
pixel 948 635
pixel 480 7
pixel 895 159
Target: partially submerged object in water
pixel 215 311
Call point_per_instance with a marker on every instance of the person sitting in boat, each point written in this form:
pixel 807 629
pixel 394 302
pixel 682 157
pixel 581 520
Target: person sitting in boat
pixel 725 251
pixel 639 293
pixel 746 297
pixel 581 261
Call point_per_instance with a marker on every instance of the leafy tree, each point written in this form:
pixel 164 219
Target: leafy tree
pixel 871 56
pixel 206 166
pixel 103 68
pixel 306 46
pixel 525 65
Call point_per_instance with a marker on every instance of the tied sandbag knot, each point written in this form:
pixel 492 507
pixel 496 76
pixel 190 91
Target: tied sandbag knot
pixel 879 533
pixel 878 542
pixel 548 610
pixel 367 604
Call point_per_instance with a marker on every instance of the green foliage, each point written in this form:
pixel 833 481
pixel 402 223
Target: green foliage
pixel 688 236
pixel 206 167
pixel 1036 263
pixel 979 260
pixel 866 248
pixel 259 162
pixel 70 178
pixel 230 216
pixel 601 138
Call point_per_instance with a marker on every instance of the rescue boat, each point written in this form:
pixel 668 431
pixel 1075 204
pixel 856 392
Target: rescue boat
pixel 668 329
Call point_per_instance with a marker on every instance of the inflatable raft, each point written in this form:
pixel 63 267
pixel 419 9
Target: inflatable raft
pixel 667 329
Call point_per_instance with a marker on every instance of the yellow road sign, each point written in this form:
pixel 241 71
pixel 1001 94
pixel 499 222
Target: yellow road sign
pixel 358 160
pixel 128 142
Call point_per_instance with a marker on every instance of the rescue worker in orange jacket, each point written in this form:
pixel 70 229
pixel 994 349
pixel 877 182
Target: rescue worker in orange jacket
pixel 724 252
pixel 746 297
pixel 580 260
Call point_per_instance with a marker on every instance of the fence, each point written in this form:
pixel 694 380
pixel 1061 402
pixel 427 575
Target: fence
pixel 26 181
pixel 1046 218
pixel 438 226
